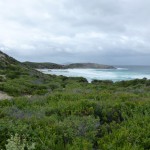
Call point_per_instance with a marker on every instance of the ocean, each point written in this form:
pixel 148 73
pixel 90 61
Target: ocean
pixel 119 74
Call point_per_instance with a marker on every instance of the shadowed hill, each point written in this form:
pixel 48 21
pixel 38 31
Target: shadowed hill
pixel 6 61
pixel 43 65
pixel 89 65
pixel 69 66
pixel 17 78
pixel 10 65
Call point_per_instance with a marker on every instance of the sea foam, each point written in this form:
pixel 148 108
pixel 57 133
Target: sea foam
pixel 102 74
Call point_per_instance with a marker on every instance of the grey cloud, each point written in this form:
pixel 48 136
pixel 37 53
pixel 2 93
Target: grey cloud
pixel 103 31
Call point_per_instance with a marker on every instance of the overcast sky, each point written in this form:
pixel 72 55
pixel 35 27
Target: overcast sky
pixel 62 31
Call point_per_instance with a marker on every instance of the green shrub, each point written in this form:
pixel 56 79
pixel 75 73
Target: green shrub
pixel 17 142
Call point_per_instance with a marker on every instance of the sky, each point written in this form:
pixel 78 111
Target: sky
pixel 113 32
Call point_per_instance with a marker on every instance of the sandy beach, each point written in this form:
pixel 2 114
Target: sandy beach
pixel 4 96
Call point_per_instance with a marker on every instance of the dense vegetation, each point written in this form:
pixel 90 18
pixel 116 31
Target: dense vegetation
pixel 43 65
pixel 89 65
pixel 52 113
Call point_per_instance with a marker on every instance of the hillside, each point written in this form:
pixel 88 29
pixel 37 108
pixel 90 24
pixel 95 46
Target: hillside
pixel 69 66
pixel 17 78
pixel 89 65
pixel 43 65
pixel 6 61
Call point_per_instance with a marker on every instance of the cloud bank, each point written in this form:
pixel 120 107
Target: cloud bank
pixel 102 31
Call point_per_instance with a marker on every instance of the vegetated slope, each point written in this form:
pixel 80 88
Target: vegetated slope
pixel 77 116
pixel 69 66
pixel 43 65
pixel 89 65
pixel 20 79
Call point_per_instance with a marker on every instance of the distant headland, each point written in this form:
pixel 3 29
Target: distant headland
pixel 48 65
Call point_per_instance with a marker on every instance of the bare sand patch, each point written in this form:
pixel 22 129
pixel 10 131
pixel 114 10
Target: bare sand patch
pixel 4 96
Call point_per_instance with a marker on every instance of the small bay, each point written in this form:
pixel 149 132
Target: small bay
pixel 119 74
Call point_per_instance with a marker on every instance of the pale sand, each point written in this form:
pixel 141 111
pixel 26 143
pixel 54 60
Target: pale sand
pixel 4 96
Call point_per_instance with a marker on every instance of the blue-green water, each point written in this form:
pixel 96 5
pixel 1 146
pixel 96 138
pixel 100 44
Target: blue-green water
pixel 121 73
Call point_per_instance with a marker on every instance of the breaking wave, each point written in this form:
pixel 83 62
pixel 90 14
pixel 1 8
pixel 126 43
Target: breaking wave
pixel 102 74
